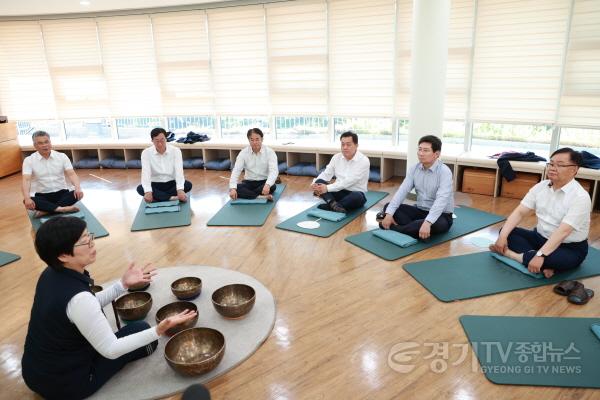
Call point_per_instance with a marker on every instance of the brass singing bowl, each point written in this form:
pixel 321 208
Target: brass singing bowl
pixel 139 287
pixel 175 308
pixel 96 288
pixel 195 351
pixel 187 288
pixel 134 306
pixel 234 301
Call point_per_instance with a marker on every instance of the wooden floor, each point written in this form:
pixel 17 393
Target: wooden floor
pixel 339 309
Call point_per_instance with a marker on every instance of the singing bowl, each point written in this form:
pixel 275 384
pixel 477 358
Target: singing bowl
pixel 195 351
pixel 175 308
pixel 187 288
pixel 234 301
pixel 96 288
pixel 139 287
pixel 134 306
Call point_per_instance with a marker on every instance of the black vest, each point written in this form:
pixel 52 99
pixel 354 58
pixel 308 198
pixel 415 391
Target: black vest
pixel 57 358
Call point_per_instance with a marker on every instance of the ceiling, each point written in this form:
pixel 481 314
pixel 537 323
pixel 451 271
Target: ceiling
pixel 43 7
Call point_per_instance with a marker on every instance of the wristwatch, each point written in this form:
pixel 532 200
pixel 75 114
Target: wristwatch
pixel 540 254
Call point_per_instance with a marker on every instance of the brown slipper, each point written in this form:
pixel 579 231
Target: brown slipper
pixel 565 288
pixel 580 295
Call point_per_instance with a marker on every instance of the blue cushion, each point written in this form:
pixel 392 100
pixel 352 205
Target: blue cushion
pixel 113 162
pixel 282 167
pixel 134 164
pixel 397 238
pixel 261 200
pixel 516 265
pixel 375 174
pixel 160 210
pixel 87 162
pixel 596 330
pixel 328 215
pixel 193 162
pixel 219 165
pixel 303 169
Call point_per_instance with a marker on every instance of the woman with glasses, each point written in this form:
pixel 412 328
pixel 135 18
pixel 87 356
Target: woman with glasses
pixel 70 348
pixel 563 207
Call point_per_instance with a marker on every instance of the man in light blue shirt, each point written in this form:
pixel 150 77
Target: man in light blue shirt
pixel 432 181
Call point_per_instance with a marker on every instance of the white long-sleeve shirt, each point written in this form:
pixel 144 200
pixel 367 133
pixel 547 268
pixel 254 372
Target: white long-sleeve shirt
pixel 48 175
pixel 85 311
pixel 164 167
pixel 257 166
pixel 350 174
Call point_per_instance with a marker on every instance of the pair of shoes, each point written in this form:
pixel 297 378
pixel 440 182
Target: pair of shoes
pixel 336 207
pixel 575 291
pixel 324 206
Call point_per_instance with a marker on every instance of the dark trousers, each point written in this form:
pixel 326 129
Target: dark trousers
pixel 410 218
pixel 51 201
pixel 163 191
pixel 566 256
pixel 345 198
pixel 252 189
pixel 103 369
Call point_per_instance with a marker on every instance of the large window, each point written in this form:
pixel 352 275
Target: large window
pixel 52 127
pixel 87 129
pixel 237 127
pixel 581 139
pixel 301 128
pixel 453 137
pixel 197 124
pixel 137 127
pixel 369 130
pixel 489 138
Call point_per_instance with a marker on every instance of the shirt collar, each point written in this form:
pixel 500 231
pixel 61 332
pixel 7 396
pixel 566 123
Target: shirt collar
pixel 85 277
pixel 569 186
pixel 39 157
pixel 259 152
pixel 155 152
pixel 434 167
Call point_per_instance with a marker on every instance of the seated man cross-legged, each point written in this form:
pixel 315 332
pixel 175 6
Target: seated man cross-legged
pixel 162 171
pixel 260 170
pixel 351 171
pixel 44 171
pixel 432 180
pixel 563 207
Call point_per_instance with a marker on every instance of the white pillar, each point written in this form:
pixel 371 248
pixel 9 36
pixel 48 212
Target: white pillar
pixel 428 71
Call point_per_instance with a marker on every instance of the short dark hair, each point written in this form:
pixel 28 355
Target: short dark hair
pixel 351 134
pixel 58 236
pixel 254 130
pixel 434 141
pixel 37 134
pixel 157 131
pixel 574 155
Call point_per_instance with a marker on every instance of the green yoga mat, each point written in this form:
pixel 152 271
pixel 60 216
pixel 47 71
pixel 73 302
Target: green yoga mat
pixel 328 228
pixel 467 220
pixel 245 214
pixel 7 258
pixel 144 222
pixel 93 225
pixel 536 351
pixel 480 274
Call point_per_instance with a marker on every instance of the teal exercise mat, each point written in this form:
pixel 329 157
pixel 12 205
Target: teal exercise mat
pixel 245 214
pixel 144 222
pixel 328 228
pixel 480 274
pixel 535 351
pixel 7 258
pixel 467 220
pixel 93 225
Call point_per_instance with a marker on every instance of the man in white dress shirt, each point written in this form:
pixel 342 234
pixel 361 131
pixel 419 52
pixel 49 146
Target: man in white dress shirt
pixel 44 174
pixel 351 171
pixel 563 207
pixel 260 170
pixel 162 171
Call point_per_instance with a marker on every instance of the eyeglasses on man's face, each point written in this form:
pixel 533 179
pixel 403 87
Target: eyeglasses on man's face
pixel 553 165
pixel 89 243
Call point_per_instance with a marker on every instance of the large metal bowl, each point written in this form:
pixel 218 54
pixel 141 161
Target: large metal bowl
pixel 187 288
pixel 234 301
pixel 96 288
pixel 175 308
pixel 140 287
pixel 195 351
pixel 133 306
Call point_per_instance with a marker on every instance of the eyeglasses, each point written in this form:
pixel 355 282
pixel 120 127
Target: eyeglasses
pixel 552 165
pixel 89 243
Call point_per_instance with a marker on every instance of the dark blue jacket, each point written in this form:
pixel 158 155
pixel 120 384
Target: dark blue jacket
pixel 590 160
pixel 505 168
